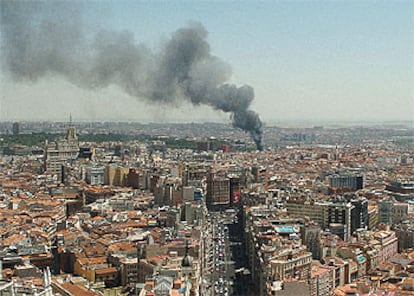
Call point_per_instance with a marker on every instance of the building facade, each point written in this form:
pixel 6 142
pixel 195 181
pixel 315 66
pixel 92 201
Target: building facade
pixel 58 153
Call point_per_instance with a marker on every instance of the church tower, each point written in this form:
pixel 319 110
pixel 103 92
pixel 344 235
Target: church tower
pixel 71 131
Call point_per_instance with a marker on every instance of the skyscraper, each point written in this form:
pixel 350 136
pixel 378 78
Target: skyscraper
pixel 16 129
pixel 218 191
pixel 58 153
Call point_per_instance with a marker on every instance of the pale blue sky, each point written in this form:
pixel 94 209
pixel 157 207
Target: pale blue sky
pixel 321 60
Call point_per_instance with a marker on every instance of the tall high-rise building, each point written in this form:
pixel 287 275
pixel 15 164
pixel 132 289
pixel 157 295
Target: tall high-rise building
pixel 115 175
pixel 16 129
pixel 340 213
pixel 385 210
pixel 218 191
pixel 359 214
pixel 58 153
pixel 310 234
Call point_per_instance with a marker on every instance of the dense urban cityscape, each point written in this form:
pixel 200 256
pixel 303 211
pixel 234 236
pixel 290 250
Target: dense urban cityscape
pixel 206 148
pixel 107 208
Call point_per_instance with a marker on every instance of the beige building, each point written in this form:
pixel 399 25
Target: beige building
pixel 218 191
pixel 115 175
pixel 291 263
pixel 57 154
pixel 326 213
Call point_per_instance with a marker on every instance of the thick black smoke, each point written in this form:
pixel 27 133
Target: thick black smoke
pixel 42 39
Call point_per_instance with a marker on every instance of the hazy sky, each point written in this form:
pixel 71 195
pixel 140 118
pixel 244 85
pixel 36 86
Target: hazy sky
pixel 306 60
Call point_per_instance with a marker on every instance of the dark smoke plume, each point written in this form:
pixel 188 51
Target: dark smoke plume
pixel 41 39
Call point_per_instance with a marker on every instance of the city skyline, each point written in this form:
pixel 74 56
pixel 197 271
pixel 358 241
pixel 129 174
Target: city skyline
pixel 317 60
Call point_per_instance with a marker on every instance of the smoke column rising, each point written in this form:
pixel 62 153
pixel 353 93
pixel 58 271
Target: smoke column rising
pixel 41 39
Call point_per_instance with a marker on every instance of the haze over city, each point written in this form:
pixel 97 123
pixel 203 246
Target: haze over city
pixel 206 148
pixel 306 60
